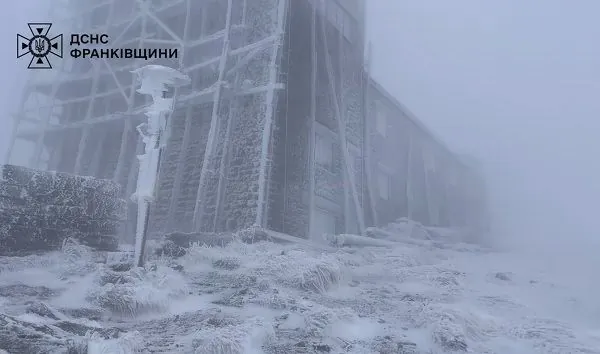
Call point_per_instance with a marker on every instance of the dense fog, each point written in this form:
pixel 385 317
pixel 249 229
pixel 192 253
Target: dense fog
pixel 516 83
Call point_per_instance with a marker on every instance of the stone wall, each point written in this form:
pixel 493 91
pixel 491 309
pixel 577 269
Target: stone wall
pixel 39 209
pixel 230 191
pixel 288 198
pixel 347 69
pixel 289 202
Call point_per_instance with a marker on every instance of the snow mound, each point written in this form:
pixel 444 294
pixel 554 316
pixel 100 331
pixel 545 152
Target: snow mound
pixel 414 297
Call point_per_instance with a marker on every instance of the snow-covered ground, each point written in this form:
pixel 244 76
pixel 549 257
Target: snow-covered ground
pixel 414 297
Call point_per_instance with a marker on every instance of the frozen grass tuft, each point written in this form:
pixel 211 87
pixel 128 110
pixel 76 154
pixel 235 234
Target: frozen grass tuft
pixel 297 269
pixel 287 266
pixel 77 259
pixel 138 290
pixel 241 338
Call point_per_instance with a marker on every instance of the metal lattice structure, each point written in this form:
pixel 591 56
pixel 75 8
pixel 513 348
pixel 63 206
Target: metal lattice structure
pixel 80 118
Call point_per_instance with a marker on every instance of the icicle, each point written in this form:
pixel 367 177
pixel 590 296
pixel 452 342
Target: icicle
pixel 154 81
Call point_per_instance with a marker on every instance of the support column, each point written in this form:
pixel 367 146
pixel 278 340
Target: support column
pixel 170 223
pixel 127 128
pixel 342 133
pixel 214 122
pixel 409 177
pixel 87 128
pixel 367 150
pixel 268 128
pixel 39 145
pixel 313 120
pixel 17 122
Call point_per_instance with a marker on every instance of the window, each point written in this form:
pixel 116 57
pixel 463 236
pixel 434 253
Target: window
pixel 349 26
pixel 428 159
pixel 340 19
pixel 356 160
pixel 324 152
pixel 323 223
pixel 381 119
pixel 384 185
pixel 334 14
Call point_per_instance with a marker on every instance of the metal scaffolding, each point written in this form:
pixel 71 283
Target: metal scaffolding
pixel 81 117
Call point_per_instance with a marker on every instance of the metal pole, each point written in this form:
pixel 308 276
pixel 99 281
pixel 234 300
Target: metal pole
pixel 155 79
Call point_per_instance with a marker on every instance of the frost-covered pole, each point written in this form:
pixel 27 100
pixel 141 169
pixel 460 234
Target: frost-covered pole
pixel 154 80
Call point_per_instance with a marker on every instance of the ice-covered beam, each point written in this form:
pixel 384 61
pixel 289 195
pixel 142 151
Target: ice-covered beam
pixel 155 80
pixel 212 133
pixel 145 8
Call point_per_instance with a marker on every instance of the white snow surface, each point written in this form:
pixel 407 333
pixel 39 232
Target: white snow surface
pixel 415 297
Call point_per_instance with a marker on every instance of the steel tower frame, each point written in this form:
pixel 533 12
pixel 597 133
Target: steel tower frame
pixel 219 52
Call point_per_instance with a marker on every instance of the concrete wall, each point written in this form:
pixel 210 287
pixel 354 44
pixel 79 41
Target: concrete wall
pixel 39 209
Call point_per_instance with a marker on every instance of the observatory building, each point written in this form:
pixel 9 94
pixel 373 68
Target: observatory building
pixel 281 127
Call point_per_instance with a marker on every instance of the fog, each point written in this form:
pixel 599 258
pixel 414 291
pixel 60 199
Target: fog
pixel 514 83
pixel 14 71
pixel 517 84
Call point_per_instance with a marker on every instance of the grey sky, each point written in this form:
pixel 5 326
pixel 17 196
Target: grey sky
pixel 516 83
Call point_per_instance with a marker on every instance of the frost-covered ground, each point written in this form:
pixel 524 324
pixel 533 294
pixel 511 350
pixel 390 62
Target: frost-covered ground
pixel 414 297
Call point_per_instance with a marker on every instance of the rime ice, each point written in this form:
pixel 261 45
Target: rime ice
pixel 154 79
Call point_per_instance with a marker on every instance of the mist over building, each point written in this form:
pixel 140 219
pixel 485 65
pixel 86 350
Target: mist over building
pixel 282 126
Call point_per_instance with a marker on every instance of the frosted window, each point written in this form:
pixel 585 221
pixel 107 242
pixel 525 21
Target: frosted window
pixel 384 185
pixel 348 25
pixel 334 15
pixel 324 223
pixel 324 152
pixel 428 159
pixel 381 120
pixel 340 19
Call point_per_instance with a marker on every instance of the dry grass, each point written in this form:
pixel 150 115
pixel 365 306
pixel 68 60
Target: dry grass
pixel 232 338
pixel 138 290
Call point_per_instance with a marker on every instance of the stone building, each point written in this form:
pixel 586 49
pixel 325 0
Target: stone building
pixel 414 174
pixel 275 129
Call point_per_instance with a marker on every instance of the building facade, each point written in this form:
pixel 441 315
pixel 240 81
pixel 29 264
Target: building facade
pixel 277 128
pixel 414 174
